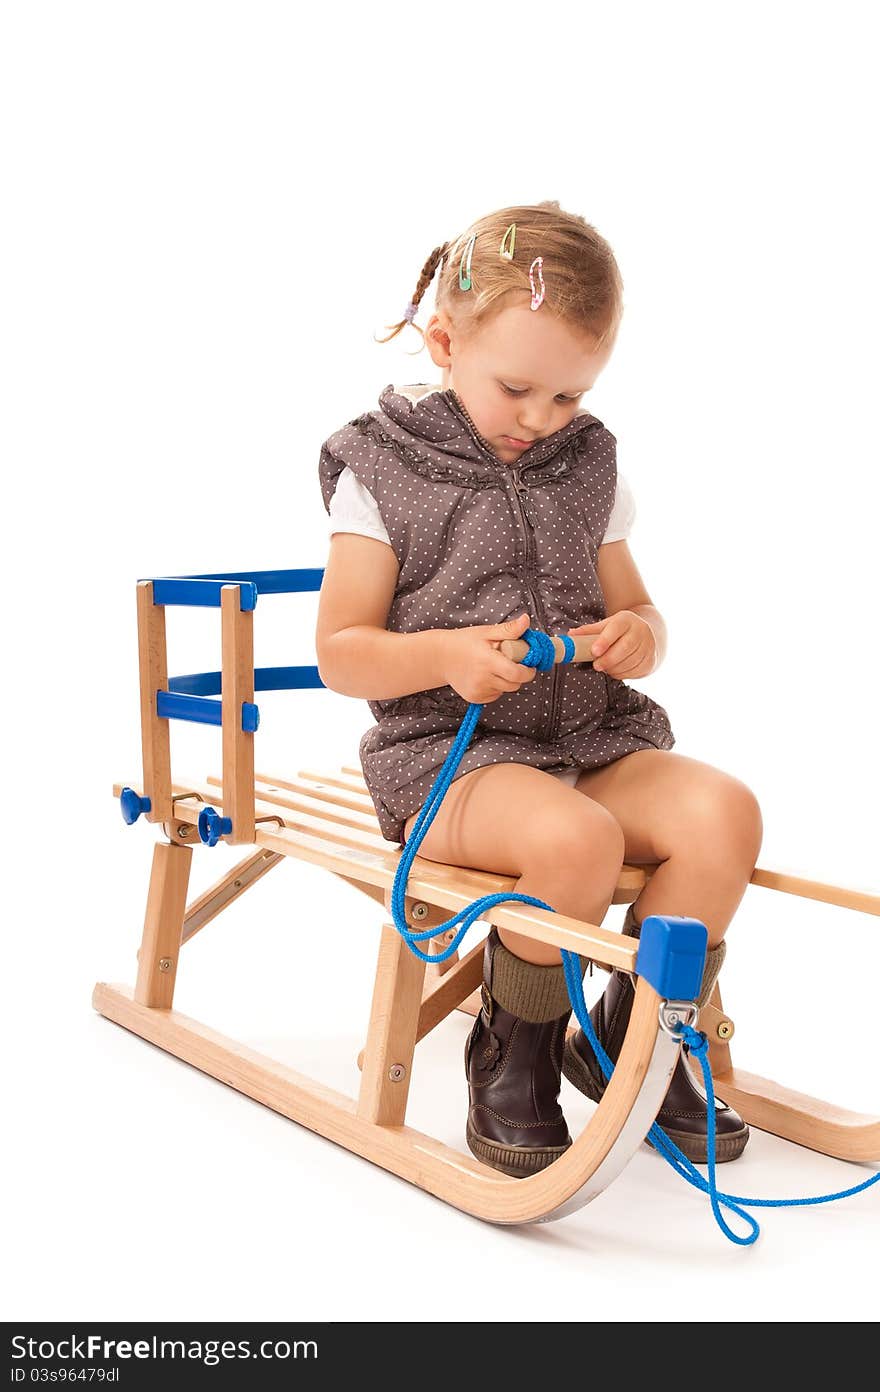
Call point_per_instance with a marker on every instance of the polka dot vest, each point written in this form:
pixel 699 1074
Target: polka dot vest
pixel 479 541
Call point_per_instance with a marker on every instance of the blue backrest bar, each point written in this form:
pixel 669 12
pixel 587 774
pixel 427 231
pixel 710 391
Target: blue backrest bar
pixel 200 710
pixel 286 678
pixel 265 679
pixel 204 590
pixel 273 581
pixel 200 592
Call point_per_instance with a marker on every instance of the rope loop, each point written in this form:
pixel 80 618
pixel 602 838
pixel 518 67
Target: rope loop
pixel 541 653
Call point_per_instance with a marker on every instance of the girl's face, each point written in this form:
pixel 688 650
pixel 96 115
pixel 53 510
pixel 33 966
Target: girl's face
pixel 521 377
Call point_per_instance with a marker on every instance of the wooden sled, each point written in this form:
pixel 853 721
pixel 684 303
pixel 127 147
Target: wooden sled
pixel 328 820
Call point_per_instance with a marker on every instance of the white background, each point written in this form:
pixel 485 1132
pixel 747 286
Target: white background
pixel 210 209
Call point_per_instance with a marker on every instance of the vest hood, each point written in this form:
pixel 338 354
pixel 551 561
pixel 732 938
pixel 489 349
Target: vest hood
pixel 437 417
pixel 429 429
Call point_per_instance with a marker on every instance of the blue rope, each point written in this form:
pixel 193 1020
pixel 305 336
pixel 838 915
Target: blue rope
pixel 699 1046
pixel 541 655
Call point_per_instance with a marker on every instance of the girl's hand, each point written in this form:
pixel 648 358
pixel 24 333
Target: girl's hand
pixel 474 665
pixel 626 645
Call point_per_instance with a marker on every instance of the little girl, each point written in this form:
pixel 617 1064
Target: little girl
pixel 461 513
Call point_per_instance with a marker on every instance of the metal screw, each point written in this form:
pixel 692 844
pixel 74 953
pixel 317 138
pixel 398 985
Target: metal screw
pixel 673 1017
pixel 183 830
pixel 397 1072
pixel 419 911
pixel 165 963
pixel 725 1029
pixel 236 884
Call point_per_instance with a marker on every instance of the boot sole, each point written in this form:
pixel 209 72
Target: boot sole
pixel 578 1074
pixel 728 1147
pixel 517 1161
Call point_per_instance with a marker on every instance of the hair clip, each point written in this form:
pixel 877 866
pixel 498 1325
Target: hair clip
pixel 464 275
pixel 511 233
pixel 537 298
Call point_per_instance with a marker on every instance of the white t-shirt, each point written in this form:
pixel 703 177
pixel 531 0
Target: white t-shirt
pixel 354 509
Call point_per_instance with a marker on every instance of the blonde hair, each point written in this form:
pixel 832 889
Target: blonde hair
pixel 583 285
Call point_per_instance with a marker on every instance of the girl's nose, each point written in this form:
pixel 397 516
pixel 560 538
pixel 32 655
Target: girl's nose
pixel 532 423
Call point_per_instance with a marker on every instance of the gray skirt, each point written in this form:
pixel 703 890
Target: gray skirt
pixel 402 755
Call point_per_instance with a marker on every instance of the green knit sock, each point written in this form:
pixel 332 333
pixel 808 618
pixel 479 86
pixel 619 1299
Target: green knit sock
pixel 533 993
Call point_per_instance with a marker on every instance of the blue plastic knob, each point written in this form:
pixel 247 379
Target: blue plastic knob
pixel 212 826
pixel 132 805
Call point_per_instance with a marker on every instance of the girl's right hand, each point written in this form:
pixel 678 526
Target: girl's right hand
pixel 474 665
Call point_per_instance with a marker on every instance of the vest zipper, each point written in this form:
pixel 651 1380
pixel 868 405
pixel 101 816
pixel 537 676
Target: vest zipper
pixel 515 473
pixel 547 731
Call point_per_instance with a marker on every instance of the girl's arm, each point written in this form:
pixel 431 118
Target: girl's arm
pixel 623 588
pixel 357 656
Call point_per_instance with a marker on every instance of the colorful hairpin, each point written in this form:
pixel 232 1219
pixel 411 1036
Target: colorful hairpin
pixel 537 298
pixel 464 272
pixel 511 233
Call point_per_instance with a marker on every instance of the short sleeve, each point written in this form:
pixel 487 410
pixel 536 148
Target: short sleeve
pixel 354 509
pixel 623 513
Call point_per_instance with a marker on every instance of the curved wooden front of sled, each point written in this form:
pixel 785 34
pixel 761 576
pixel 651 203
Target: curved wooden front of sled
pixel 616 1129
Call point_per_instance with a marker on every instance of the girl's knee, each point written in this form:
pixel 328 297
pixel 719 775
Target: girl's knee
pixel 577 833
pixel 725 812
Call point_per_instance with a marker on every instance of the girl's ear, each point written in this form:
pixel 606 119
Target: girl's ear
pixel 438 341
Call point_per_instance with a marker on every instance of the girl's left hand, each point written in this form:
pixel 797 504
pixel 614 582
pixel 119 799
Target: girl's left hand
pixel 627 646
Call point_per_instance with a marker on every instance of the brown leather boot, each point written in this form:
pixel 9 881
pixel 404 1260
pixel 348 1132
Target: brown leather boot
pixel 683 1114
pixel 513 1059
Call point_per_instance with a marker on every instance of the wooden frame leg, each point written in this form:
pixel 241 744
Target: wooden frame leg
pixel 163 925
pixel 391 1040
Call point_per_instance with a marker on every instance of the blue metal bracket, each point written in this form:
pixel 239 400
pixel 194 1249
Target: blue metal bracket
pixel 672 955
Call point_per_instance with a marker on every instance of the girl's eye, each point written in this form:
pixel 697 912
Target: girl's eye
pixel 512 391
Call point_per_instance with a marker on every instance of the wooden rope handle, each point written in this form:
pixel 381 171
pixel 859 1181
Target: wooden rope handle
pixel 517 648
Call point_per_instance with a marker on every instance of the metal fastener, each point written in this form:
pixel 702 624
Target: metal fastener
pixel 166 963
pixel 397 1072
pixel 725 1029
pixel 674 1014
pixel 419 911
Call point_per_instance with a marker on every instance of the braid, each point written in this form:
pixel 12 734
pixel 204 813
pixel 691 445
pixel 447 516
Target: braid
pixel 428 271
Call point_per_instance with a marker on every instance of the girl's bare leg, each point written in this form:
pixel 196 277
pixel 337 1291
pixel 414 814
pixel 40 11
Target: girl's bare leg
pixel 517 820
pixel 701 826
